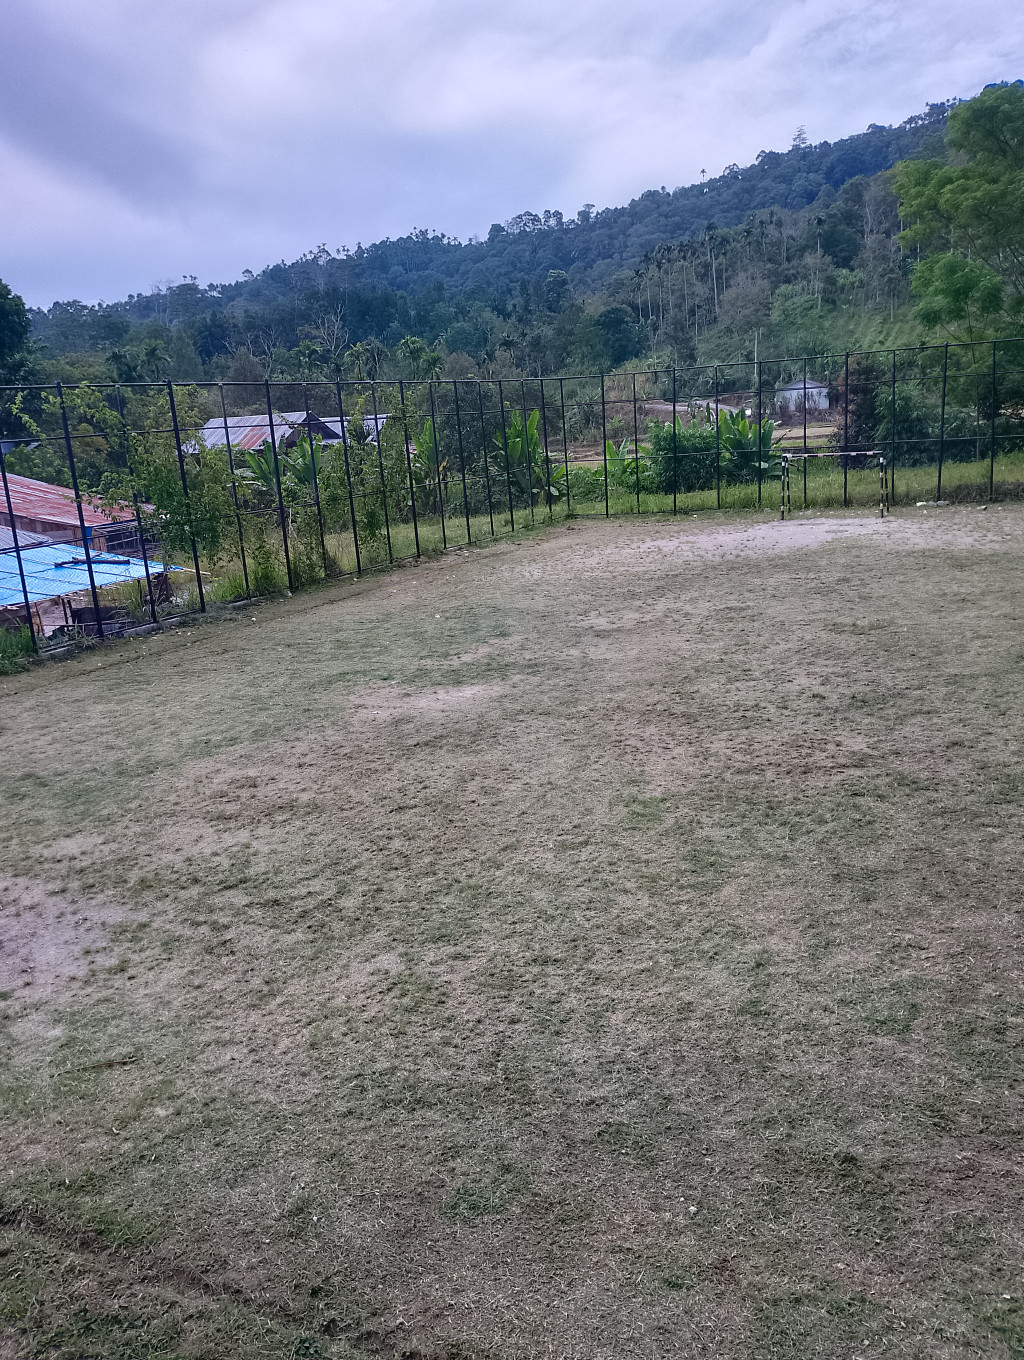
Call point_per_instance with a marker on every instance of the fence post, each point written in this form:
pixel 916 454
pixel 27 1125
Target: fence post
pixel 316 479
pixel 565 447
pixel 675 447
pixel 992 430
pixel 604 445
pixel 504 440
pixel 636 448
pixel 408 461
pixel 234 494
pixel 348 475
pixel 547 452
pixel 17 548
pixel 78 506
pixel 760 434
pixel 483 452
pixel 380 464
pixel 188 498
pixel 280 492
pixel 846 422
pixel 462 459
pixel 437 465
pixel 135 501
pixel 942 420
pixel 718 446
pixel 805 434
pixel 892 420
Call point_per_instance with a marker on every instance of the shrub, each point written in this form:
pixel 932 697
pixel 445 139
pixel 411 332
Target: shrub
pixel 685 460
pixel 631 470
pixel 586 484
pixel 265 577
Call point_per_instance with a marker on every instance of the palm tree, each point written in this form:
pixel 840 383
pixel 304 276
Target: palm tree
pixel 357 359
pixel 432 364
pixel 422 359
pixel 411 350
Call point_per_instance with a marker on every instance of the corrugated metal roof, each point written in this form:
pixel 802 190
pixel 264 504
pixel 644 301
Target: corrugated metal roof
pixel 59 569
pixel 53 504
pixel 250 432
pixel 368 424
pixel 245 432
pixel 299 418
pixel 25 539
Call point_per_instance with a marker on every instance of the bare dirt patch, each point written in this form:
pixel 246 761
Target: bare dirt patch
pixel 383 703
pixel 807 532
pixel 48 940
pixel 11 1348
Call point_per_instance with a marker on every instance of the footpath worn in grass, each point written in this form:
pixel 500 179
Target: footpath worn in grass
pixel 606 945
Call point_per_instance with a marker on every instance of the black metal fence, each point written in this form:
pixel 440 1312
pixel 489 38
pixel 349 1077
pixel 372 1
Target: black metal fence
pixel 180 495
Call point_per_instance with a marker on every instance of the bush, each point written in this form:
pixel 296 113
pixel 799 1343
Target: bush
pixel 685 461
pixel 265 576
pixel 521 459
pixel 630 470
pixel 586 484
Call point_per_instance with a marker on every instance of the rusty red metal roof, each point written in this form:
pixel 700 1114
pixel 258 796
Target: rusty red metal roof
pixel 50 504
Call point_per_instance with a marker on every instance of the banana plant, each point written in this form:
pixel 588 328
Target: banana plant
pixel 260 467
pixel 625 468
pixel 747 444
pixel 298 467
pixel 425 461
pixel 526 463
pixel 303 462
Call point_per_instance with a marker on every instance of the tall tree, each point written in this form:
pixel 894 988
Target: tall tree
pixel 14 331
pixel 969 212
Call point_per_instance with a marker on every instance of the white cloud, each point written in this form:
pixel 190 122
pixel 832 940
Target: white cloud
pixel 209 136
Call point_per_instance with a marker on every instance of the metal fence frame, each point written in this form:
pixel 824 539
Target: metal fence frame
pixel 596 400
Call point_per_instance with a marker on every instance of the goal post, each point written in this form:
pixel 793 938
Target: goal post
pixel 848 460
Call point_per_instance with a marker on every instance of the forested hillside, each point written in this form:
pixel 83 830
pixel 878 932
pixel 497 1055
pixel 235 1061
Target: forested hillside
pixel 799 252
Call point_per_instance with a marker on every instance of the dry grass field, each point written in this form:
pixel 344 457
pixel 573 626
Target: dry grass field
pixel 607 944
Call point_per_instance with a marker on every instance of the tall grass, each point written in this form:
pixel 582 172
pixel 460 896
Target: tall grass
pixel 960 482
pixel 15 648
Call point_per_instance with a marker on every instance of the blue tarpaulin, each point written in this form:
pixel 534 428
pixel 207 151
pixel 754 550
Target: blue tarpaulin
pixel 59 569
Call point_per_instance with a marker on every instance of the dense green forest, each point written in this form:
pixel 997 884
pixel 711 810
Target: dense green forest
pixel 819 248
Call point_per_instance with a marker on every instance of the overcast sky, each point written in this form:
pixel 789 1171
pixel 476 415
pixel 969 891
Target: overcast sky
pixel 140 142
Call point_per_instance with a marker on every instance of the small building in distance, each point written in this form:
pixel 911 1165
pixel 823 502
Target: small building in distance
pixel 794 397
pixel 252 432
